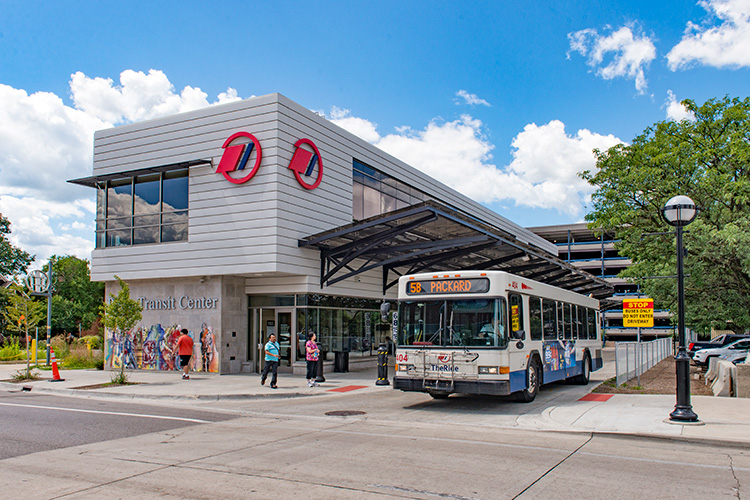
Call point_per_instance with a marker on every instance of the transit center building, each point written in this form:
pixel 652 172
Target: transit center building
pixel 245 219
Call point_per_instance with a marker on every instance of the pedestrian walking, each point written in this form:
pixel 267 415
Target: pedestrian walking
pixel 312 353
pixel 272 361
pixel 185 351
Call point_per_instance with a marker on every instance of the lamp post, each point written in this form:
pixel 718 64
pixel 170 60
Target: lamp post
pixel 679 212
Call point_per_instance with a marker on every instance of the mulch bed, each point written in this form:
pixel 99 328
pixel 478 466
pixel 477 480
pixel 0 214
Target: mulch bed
pixel 660 379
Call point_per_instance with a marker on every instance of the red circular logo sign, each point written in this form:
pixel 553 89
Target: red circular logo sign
pixel 304 163
pixel 237 155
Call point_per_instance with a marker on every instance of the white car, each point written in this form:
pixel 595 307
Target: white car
pixel 702 356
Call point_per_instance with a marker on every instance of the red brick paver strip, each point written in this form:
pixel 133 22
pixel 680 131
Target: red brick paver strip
pixel 347 388
pixel 596 397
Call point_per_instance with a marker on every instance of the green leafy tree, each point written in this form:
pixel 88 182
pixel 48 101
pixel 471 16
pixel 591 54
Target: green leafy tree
pixel 121 314
pixel 13 260
pixel 76 299
pixel 22 313
pixel 708 159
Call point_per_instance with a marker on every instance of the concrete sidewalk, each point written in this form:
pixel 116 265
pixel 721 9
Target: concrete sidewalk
pixel 722 419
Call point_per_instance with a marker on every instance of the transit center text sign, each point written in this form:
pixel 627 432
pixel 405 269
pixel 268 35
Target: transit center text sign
pixel 638 312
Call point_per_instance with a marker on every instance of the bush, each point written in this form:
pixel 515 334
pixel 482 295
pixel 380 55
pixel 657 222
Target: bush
pixel 93 341
pixel 61 347
pixel 79 356
pixel 12 351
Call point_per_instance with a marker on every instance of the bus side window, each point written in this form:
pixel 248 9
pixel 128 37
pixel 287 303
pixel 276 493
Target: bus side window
pixel 535 318
pixel 568 321
pixel 550 319
pixel 560 320
pixel 592 324
pixel 516 315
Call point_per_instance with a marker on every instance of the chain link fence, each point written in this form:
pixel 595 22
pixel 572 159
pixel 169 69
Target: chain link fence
pixel 634 358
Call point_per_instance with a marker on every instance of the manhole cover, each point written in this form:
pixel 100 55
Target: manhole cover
pixel 345 413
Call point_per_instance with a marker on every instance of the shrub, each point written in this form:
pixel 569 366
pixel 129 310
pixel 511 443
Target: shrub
pixel 12 351
pixel 61 347
pixel 80 357
pixel 93 341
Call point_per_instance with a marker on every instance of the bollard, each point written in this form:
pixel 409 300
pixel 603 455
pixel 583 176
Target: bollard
pixel 319 372
pixel 382 365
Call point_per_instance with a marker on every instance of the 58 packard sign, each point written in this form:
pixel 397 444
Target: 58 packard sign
pixel 243 149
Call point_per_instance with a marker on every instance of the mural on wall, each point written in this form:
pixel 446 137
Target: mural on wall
pixel 154 348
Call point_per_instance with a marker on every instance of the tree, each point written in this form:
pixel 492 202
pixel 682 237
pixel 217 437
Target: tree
pixel 22 313
pixel 708 159
pixel 75 298
pixel 13 260
pixel 121 314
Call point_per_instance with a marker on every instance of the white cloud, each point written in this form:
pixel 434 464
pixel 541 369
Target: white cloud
pixel 675 110
pixel 357 126
pixel 138 97
pixel 44 142
pixel 543 173
pixel 630 54
pixel 726 44
pixel 471 99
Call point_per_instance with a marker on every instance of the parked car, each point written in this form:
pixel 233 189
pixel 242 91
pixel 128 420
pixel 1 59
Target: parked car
pixel 702 356
pixel 720 341
pixel 735 357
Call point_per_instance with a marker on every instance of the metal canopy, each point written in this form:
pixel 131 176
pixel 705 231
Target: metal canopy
pixel 431 236
pixel 94 180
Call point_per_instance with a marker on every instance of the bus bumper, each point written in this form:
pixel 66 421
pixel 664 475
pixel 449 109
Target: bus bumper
pixel 480 387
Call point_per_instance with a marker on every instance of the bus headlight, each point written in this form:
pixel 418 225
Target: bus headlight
pixel 404 368
pixel 489 370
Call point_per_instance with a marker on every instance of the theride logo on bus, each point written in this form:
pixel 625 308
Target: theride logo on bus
pixel 237 151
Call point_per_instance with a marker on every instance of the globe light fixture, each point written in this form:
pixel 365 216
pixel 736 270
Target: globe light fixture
pixel 679 212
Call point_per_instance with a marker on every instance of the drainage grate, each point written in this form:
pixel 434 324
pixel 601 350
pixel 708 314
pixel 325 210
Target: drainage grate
pixel 345 413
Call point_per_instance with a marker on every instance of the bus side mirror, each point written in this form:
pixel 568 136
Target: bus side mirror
pixel 518 335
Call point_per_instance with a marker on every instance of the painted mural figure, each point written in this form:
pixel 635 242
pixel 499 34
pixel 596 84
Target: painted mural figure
pixel 208 343
pixel 155 348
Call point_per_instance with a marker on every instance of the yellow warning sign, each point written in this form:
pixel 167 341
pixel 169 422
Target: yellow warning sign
pixel 638 312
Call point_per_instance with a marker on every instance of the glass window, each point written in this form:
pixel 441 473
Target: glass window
pixel 550 319
pixel 454 323
pixel 146 209
pixel 567 321
pixel 535 318
pixel 592 324
pixel 374 192
pixel 516 312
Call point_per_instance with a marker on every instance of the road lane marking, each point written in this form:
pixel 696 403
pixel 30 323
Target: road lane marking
pixel 140 415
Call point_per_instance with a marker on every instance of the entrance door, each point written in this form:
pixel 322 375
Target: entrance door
pixel 285 336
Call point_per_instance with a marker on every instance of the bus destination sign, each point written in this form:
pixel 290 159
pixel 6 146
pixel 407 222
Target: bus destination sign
pixel 445 286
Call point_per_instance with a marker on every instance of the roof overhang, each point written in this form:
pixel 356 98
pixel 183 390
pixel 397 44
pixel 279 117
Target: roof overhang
pixel 431 236
pixel 96 179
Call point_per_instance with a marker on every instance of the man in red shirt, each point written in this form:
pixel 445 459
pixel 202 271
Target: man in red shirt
pixel 185 350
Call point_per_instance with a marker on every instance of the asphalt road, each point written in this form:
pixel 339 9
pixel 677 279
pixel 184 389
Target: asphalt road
pixel 32 423
pixel 401 446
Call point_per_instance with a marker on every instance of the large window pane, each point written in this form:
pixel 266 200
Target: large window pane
pixel 174 232
pixel 119 198
pixel 550 319
pixel 175 191
pixel 146 197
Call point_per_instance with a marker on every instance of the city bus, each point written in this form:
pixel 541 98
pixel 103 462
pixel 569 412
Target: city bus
pixel 493 333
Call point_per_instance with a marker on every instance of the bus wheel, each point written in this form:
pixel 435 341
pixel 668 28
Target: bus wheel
pixel 532 383
pixel 583 378
pixel 439 395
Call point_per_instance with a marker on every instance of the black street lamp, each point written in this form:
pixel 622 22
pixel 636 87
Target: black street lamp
pixel 679 212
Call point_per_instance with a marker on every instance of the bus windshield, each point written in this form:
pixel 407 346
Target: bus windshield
pixel 453 323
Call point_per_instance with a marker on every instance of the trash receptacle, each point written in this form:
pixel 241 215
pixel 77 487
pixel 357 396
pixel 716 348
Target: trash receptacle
pixel 341 362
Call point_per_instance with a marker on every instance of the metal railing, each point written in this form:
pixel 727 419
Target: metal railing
pixel 634 358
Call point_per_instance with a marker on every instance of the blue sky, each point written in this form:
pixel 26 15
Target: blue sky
pixel 502 100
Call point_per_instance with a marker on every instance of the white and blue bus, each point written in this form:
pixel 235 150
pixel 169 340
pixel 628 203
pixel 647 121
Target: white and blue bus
pixel 491 332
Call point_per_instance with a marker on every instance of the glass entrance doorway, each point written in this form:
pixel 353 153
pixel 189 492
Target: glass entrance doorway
pixel 279 322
